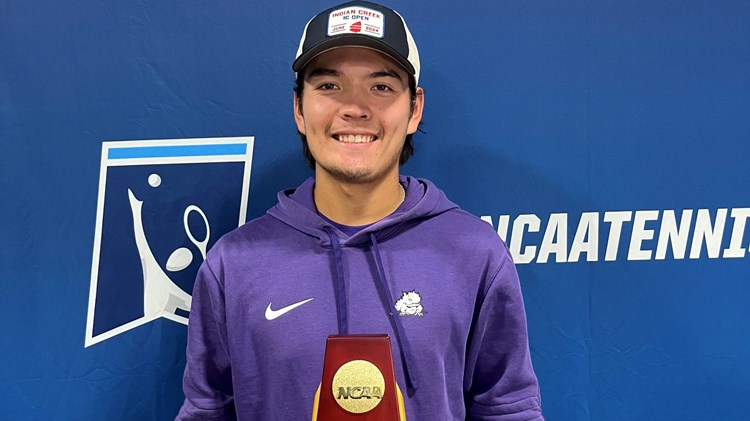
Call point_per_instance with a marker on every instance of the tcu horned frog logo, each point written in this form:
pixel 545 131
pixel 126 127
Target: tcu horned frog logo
pixel 162 204
pixel 410 304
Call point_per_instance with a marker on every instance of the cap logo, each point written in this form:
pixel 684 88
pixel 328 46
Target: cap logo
pixel 356 20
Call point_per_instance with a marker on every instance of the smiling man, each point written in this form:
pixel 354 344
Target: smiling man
pixel 359 249
pixel 355 109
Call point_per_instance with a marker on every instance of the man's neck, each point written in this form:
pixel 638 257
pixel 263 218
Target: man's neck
pixel 357 204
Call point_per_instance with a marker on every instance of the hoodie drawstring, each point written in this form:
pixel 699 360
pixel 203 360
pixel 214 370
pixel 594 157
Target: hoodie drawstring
pixel 342 307
pixel 411 381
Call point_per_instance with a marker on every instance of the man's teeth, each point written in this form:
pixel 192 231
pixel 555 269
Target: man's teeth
pixel 352 138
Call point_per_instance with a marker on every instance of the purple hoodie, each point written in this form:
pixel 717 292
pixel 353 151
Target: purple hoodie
pixel 434 278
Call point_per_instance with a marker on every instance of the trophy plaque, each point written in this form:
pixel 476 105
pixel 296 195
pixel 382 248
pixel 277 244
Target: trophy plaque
pixel 358 381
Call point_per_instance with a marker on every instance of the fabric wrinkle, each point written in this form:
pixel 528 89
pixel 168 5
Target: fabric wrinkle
pixel 342 310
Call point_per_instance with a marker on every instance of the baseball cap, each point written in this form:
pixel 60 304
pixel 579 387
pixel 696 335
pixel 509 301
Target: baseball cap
pixel 359 24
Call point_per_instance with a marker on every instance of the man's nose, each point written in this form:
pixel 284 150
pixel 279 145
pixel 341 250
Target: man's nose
pixel 355 106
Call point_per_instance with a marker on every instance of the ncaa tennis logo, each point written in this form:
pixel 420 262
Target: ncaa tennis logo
pixel 162 204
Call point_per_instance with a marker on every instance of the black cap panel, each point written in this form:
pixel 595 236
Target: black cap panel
pixel 358 23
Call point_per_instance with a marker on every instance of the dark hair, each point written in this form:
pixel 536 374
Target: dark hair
pixel 406 152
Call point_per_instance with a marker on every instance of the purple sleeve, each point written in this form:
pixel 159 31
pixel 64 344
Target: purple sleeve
pixel 207 382
pixel 499 379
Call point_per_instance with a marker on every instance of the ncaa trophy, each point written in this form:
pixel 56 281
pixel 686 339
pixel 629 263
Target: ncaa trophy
pixel 358 381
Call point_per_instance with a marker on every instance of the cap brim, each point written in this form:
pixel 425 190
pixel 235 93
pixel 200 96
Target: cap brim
pixel 351 40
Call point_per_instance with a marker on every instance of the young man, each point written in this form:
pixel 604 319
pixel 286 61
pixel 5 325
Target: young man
pixel 359 249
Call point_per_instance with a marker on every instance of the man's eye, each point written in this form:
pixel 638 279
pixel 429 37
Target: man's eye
pixel 382 88
pixel 327 86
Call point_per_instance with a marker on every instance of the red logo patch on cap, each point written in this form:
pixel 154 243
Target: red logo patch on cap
pixel 356 26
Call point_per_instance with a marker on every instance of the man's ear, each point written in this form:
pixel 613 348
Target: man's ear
pixel 298 117
pixel 416 114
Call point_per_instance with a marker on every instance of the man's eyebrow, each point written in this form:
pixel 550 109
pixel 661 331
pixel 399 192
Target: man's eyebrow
pixel 321 72
pixel 387 73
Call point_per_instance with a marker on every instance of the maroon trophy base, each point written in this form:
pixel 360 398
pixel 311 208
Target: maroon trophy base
pixel 358 381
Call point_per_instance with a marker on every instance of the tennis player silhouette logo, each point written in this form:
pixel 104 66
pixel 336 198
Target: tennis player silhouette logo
pixel 162 204
pixel 160 294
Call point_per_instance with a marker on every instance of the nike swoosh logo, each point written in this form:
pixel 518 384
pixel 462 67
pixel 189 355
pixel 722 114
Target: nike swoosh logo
pixel 273 314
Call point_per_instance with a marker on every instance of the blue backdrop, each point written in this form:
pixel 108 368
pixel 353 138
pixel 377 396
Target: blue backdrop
pixel 607 141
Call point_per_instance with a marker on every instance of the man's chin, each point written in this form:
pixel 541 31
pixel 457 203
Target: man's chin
pixel 348 175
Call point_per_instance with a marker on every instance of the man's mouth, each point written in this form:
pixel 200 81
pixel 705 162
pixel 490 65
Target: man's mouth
pixel 354 138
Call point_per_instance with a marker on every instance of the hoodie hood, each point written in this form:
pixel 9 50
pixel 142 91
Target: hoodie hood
pixel 296 208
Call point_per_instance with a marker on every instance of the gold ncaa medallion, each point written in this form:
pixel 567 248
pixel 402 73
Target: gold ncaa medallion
pixel 358 386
